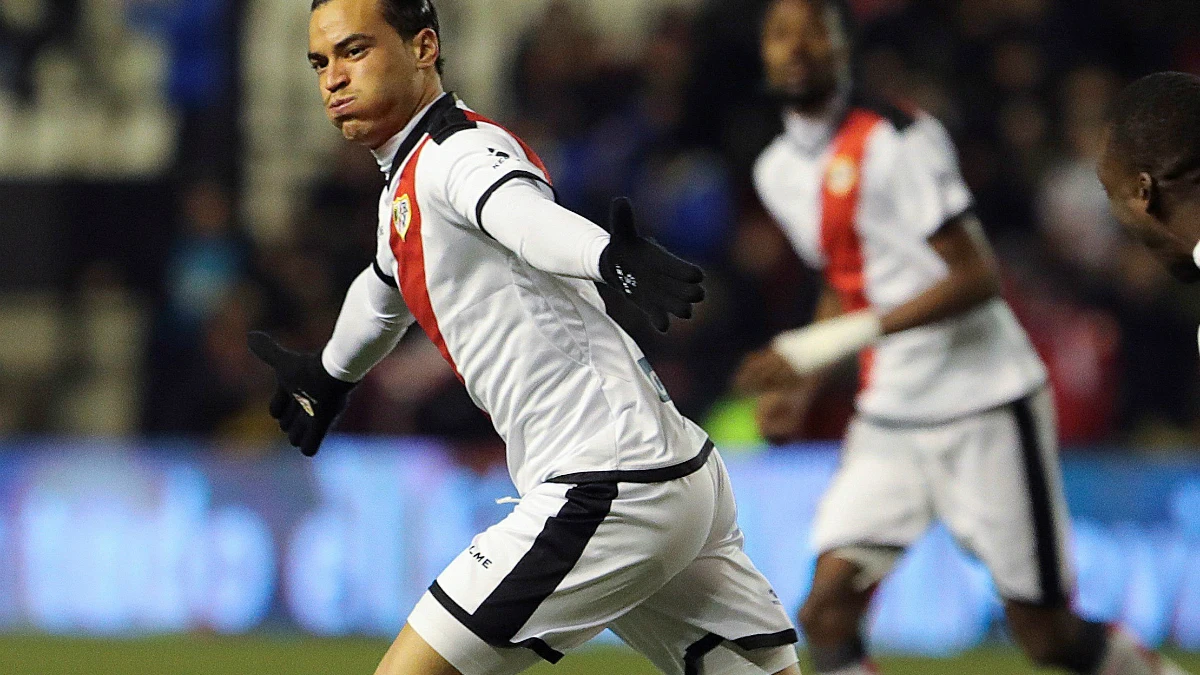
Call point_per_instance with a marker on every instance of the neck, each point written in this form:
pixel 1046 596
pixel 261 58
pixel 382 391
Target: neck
pixel 1185 221
pixel 813 108
pixel 822 105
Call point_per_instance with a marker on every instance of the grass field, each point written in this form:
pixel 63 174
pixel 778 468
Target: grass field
pixel 201 655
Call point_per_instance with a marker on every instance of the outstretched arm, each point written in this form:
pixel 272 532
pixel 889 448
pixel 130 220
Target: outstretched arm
pixel 493 185
pixel 370 325
pixel 522 217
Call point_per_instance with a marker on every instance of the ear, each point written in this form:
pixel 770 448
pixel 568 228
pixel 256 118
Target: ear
pixel 426 48
pixel 1148 192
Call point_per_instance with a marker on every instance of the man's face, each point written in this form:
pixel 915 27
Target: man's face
pixel 804 51
pixel 1129 196
pixel 369 75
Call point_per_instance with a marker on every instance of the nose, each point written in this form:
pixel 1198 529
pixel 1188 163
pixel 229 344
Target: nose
pixel 793 47
pixel 336 77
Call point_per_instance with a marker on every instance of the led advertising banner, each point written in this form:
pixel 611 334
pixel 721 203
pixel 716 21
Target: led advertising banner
pixel 124 539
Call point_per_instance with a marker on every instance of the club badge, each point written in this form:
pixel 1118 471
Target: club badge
pixel 402 215
pixel 842 176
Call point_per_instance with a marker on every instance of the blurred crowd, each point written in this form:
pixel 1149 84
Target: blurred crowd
pixel 676 124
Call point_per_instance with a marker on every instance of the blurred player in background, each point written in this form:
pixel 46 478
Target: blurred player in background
pixel 1151 168
pixel 626 518
pixel 954 417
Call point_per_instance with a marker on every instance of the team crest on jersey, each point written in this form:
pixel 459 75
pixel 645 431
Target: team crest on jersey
pixel 402 215
pixel 842 175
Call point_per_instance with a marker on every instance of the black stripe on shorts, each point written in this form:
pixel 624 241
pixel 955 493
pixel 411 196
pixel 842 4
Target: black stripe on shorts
pixel 766 640
pixel 693 657
pixel 1049 557
pixel 554 553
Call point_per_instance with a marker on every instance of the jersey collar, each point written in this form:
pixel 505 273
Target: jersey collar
pixel 391 153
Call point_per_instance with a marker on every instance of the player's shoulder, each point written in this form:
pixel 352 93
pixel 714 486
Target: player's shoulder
pixel 457 130
pixel 463 138
pixel 899 117
pixel 901 122
pixel 446 121
pixel 905 132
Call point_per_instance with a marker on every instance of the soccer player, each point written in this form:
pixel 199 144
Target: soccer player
pixel 954 419
pixel 626 518
pixel 1151 168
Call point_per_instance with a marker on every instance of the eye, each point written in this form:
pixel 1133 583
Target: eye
pixel 354 52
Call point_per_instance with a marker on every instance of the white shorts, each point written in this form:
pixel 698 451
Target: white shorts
pixel 660 563
pixel 993 478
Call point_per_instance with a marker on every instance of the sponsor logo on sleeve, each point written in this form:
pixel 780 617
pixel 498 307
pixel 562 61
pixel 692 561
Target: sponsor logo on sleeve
pixel 501 157
pixel 658 385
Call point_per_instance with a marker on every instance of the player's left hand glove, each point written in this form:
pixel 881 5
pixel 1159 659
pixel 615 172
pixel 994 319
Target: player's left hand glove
pixel 308 400
pixel 659 283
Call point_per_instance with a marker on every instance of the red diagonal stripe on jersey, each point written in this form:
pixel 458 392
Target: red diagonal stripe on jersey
pixel 410 258
pixel 533 156
pixel 839 213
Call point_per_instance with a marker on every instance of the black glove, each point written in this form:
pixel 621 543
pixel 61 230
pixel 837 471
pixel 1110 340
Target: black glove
pixel 308 400
pixel 644 272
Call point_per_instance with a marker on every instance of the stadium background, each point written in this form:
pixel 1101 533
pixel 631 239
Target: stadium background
pixel 168 181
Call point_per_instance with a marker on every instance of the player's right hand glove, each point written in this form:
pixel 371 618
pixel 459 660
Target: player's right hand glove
pixel 308 400
pixel 659 283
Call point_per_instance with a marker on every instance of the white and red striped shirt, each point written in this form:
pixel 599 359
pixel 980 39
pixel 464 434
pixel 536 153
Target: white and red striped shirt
pixel 566 388
pixel 859 191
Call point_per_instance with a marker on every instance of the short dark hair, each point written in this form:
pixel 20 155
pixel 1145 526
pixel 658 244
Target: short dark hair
pixel 1155 127
pixel 408 17
pixel 840 8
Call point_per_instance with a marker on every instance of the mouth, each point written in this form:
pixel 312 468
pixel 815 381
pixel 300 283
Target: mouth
pixel 792 76
pixel 341 106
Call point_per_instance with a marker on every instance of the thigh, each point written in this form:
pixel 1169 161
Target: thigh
pixel 719 612
pixel 878 496
pixel 412 655
pixel 1000 493
pixel 566 562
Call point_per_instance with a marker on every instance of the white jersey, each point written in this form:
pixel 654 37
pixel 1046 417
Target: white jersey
pixel 568 391
pixel 859 192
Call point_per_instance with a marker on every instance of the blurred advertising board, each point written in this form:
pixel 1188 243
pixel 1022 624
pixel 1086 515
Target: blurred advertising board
pixel 153 537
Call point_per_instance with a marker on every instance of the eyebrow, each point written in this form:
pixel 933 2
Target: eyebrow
pixel 342 44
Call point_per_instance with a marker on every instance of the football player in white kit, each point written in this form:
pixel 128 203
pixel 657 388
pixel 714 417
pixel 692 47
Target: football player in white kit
pixel 954 419
pixel 626 518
